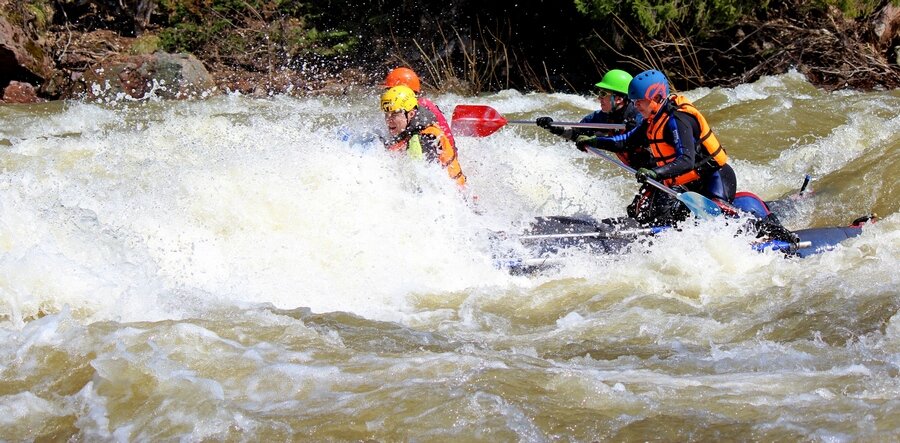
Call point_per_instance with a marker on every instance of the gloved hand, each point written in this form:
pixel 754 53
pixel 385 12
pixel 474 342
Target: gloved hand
pixel 547 123
pixel 583 141
pixel 643 174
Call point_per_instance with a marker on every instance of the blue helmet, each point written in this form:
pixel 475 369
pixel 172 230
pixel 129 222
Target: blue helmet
pixel 647 85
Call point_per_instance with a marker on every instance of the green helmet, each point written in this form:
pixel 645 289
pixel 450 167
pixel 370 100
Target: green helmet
pixel 615 80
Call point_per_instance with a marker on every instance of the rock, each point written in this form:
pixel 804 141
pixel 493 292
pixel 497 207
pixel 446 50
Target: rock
pixel 886 25
pixel 22 57
pixel 19 92
pixel 162 75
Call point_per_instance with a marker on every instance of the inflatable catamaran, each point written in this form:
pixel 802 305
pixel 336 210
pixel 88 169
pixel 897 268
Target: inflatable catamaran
pixel 547 237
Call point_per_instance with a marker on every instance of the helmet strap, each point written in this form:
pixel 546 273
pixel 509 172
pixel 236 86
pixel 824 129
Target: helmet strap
pixel 659 109
pixel 408 118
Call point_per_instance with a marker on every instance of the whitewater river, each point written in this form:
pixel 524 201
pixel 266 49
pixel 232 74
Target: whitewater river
pixel 230 269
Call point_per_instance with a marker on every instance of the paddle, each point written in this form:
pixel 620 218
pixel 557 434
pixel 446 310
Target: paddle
pixel 482 121
pixel 624 234
pixel 699 205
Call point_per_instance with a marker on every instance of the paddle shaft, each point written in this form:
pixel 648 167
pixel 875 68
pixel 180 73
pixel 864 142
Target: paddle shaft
pixel 482 121
pixel 614 126
pixel 623 234
pixel 633 171
pixel 698 204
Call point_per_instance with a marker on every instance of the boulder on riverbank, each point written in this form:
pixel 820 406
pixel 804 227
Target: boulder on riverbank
pixel 160 75
pixel 24 55
pixel 20 93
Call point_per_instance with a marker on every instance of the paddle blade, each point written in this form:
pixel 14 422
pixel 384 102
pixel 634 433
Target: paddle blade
pixel 476 120
pixel 699 205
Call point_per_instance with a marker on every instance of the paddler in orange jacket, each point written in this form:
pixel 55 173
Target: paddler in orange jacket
pixel 416 132
pixel 685 150
pixel 407 77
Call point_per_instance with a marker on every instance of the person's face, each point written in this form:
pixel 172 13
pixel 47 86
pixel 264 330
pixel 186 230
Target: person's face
pixel 646 107
pixel 397 121
pixel 606 100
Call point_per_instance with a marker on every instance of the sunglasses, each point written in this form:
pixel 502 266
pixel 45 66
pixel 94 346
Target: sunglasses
pixel 603 93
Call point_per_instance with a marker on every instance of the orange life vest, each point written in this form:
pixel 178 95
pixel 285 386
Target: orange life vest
pixel 663 152
pixel 447 155
pixel 439 118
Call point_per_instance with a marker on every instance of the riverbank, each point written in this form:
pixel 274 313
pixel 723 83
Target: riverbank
pixel 53 50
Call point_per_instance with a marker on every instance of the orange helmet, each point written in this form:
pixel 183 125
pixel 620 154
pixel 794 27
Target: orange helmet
pixel 403 76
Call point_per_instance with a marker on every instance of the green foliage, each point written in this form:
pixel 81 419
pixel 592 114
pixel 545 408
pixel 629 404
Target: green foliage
pixel 178 11
pixel 145 44
pixel 654 16
pixel 183 37
pixel 598 8
pixel 853 8
pixel 703 16
pixel 39 11
pixel 239 30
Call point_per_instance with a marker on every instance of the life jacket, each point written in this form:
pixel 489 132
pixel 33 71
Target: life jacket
pixel 711 157
pixel 431 142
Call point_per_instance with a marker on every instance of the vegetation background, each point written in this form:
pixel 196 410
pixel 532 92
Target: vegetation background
pixel 474 46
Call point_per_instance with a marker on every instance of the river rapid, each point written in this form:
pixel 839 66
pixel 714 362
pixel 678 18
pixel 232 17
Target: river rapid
pixel 231 269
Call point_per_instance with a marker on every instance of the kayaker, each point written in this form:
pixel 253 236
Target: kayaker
pixel 407 77
pixel 616 107
pixel 685 151
pixel 417 133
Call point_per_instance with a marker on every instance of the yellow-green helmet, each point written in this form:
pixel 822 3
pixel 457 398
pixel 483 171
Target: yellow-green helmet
pixel 399 98
pixel 615 80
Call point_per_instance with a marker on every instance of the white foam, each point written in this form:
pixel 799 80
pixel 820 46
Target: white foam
pixel 157 210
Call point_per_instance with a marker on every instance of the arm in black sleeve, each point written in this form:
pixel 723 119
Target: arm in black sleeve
pixel 680 132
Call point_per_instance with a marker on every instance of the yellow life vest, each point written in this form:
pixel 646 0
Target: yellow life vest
pixel 414 147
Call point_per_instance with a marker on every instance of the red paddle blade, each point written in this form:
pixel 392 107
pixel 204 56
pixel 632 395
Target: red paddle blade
pixel 476 120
